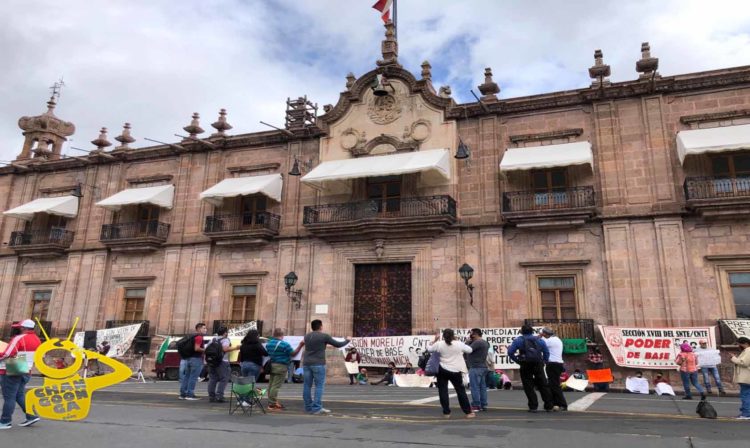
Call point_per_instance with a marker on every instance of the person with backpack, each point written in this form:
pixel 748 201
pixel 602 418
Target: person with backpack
pixel 281 355
pixel 16 362
pixel 555 368
pixel 530 352
pixel 190 349
pixel 478 368
pixel 217 360
pixel 251 357
pixel 452 368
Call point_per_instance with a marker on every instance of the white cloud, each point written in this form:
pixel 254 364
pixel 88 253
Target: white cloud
pixel 154 62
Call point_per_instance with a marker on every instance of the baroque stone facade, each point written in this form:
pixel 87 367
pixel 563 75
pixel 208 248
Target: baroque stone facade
pixel 619 240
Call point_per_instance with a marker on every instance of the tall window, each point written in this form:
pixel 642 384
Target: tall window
pixel 549 187
pixel 252 210
pixel 385 193
pixel 135 300
pixel 243 302
pixel 558 296
pixel 740 284
pixel 733 171
pixel 40 304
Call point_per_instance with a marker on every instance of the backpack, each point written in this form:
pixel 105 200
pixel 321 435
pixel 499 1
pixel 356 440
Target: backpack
pixel 214 353
pixel 423 359
pixel 531 351
pixel 186 346
pixel 705 410
pixel 433 364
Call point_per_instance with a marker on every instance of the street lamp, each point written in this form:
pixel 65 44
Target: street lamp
pixel 462 153
pixel 467 272
pixel 294 294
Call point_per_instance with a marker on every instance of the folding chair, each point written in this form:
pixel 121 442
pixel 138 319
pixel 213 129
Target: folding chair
pixel 245 396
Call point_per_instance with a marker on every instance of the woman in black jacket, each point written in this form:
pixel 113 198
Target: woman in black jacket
pixel 251 355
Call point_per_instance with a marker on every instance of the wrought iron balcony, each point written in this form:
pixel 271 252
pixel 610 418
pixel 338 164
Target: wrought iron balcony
pixel 420 216
pixel 567 328
pixel 248 227
pixel 569 206
pixel 715 196
pixel 135 236
pixel 41 243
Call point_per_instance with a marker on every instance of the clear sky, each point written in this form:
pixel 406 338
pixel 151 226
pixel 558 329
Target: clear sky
pixel 154 62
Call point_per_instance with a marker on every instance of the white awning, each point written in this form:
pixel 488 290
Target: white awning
pixel 269 185
pixel 551 156
pixel 434 163
pixel 66 206
pixel 161 196
pixel 699 141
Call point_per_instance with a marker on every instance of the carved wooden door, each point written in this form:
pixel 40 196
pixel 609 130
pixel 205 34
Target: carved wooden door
pixel 382 299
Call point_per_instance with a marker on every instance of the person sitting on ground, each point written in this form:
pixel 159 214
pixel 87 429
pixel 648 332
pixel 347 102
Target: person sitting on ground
pixel 407 370
pixel 577 374
pixel 388 377
pixel 504 381
pixel 659 378
pixel 297 376
pixel 362 377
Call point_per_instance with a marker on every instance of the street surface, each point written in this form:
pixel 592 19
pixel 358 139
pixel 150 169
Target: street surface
pixel 150 415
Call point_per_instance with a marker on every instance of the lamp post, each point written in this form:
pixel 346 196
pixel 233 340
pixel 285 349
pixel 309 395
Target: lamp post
pixel 294 294
pixel 467 272
pixel 462 153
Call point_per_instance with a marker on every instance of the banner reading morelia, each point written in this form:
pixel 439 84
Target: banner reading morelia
pixel 652 348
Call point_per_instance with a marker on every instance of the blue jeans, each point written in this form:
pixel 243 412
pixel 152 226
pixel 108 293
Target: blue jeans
pixel 190 370
pixel 249 369
pixel 290 371
pixel 691 377
pixel 317 375
pixel 715 373
pixel 745 400
pixel 478 385
pixel 14 391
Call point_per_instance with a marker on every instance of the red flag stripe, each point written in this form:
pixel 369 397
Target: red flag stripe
pixel 384 6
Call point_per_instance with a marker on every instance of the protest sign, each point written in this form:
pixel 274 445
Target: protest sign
pixel 600 376
pixel 664 389
pixel 352 368
pixel 119 338
pixel 413 380
pixel 499 340
pixel 739 327
pixel 652 348
pixel 379 351
pixel 708 358
pixel 576 384
pixel 241 330
pixel 636 385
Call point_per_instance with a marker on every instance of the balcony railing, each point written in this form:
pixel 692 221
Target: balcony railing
pixel 135 230
pixel 530 201
pixel 713 187
pixel 567 328
pixel 392 208
pixel 240 223
pixel 54 236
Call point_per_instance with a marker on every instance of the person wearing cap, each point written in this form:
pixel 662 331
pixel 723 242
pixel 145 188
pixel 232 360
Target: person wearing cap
pixel 555 368
pixel 708 367
pixel 14 386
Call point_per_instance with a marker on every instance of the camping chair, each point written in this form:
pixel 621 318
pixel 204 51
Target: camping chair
pixel 244 395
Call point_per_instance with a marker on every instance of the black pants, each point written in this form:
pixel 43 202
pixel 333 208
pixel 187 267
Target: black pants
pixel 351 378
pixel 532 375
pixel 554 370
pixel 457 379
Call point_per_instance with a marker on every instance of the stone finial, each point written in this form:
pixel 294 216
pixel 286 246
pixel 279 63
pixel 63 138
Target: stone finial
pixel 327 108
pixel 600 71
pixel 389 47
pixel 101 142
pixel 489 88
pixel 194 128
pixel 426 71
pixel 647 65
pixel 125 138
pixel 350 79
pixel 445 91
pixel 221 124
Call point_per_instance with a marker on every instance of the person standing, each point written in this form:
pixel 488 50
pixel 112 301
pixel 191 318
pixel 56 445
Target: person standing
pixel 314 366
pixel 707 368
pixel 191 363
pixel 102 349
pixel 219 375
pixel 22 346
pixel 742 376
pixel 251 355
pixel 688 363
pixel 531 352
pixel 452 368
pixel 555 368
pixel 597 362
pixel 477 361
pixel 353 356
pixel 281 354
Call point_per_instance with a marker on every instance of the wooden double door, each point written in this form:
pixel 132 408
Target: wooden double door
pixel 382 299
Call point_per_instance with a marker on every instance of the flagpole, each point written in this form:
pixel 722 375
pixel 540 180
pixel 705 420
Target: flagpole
pixel 395 18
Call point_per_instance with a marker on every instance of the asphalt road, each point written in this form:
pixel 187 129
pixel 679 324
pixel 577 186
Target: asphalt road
pixel 147 415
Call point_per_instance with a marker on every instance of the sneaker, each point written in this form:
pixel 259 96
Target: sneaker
pixel 475 409
pixel 181 397
pixel 5 426
pixel 192 398
pixel 471 415
pixel 743 417
pixel 555 408
pixel 322 411
pixel 29 421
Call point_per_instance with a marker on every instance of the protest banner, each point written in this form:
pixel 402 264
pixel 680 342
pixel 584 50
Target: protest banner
pixel 652 348
pixel 119 338
pixel 636 385
pixel 664 389
pixel 499 340
pixel 413 380
pixel 379 351
pixel 738 327
pixel 241 330
pixel 708 358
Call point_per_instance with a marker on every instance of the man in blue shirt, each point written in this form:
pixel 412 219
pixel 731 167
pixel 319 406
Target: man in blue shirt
pixel 532 353
pixel 281 355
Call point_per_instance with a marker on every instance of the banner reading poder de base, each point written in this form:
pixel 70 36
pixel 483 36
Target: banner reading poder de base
pixel 652 348
pixel 499 340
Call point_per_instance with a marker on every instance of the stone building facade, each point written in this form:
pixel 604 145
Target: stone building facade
pixel 603 216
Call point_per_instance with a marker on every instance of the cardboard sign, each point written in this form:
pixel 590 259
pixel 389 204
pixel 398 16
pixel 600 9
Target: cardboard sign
pixel 120 339
pixel 413 380
pixel 652 348
pixel 576 384
pixel 352 368
pixel 664 389
pixel 708 358
pixel 636 385
pixel 600 376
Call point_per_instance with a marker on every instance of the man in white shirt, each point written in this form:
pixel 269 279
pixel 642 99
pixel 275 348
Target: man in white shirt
pixel 555 368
